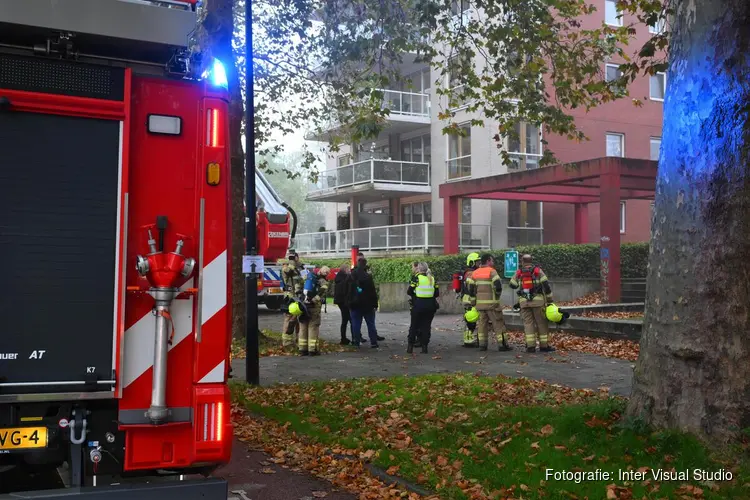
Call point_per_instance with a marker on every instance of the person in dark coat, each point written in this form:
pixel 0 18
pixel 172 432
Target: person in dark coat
pixel 424 291
pixel 363 300
pixel 341 299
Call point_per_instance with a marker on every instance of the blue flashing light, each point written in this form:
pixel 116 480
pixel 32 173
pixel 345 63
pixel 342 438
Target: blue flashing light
pixel 217 75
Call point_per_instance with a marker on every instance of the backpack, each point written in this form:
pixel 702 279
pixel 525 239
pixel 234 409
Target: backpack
pixel 528 278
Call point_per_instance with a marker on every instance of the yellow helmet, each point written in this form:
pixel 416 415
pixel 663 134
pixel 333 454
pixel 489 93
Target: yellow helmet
pixel 472 258
pixel 553 313
pixel 472 315
pixel 295 309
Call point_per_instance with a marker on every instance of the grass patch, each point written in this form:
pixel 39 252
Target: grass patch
pixel 270 344
pixel 466 436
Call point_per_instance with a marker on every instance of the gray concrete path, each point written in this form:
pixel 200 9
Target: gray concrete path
pixel 446 355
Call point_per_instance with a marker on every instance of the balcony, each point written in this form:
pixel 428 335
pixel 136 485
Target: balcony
pixel 422 237
pixel 371 180
pixel 408 111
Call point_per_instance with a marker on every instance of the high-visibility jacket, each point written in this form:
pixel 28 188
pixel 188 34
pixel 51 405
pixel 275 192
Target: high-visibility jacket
pixel 533 286
pixel 466 299
pixel 425 288
pixel 486 287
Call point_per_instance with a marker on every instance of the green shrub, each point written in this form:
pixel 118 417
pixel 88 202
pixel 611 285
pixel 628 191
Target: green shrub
pixel 558 261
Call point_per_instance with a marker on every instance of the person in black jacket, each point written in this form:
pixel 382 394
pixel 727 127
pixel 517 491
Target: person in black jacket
pixel 341 299
pixel 363 300
pixel 424 292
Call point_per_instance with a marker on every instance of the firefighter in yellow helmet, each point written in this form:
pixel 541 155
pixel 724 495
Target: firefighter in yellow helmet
pixel 534 293
pixel 315 293
pixel 470 336
pixel 291 273
pixel 486 288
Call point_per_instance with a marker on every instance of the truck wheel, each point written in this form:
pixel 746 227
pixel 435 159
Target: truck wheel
pixel 273 303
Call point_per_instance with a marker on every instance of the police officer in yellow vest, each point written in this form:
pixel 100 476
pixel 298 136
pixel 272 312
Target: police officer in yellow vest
pixel 309 331
pixel 424 292
pixel 291 273
pixel 486 288
pixel 534 293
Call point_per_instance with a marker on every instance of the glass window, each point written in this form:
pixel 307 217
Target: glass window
pixel 344 160
pixel 459 154
pixel 612 16
pixel 615 145
pixel 459 6
pixel 655 148
pixel 524 214
pixel 466 211
pixel 525 149
pixel 455 86
pixel 416 212
pixel 658 86
pixel 622 217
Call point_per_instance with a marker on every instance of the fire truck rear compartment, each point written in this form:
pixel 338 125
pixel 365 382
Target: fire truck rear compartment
pixel 58 224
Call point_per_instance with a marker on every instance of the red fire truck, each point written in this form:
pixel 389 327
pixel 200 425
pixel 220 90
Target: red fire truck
pixel 115 249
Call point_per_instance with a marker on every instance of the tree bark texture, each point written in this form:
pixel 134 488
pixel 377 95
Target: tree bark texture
pixel 693 372
pixel 220 28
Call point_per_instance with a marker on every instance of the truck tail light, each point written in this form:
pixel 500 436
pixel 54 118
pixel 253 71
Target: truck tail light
pixel 211 421
pixel 215 129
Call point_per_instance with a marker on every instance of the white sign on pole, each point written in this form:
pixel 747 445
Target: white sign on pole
pixel 252 264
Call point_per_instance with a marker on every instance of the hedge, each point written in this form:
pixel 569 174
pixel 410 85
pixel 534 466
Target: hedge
pixel 557 261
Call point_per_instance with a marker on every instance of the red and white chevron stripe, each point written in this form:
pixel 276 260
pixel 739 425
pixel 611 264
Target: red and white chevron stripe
pixel 139 337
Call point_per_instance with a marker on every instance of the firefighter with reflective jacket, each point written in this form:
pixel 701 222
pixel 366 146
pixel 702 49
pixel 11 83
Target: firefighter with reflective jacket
pixel 470 313
pixel 486 288
pixel 534 293
pixel 315 291
pixel 291 273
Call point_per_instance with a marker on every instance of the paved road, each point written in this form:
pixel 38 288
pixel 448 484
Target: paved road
pixel 446 356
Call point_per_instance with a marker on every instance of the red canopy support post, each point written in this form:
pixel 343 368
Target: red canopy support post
pixel 450 224
pixel 609 221
pixel 581 223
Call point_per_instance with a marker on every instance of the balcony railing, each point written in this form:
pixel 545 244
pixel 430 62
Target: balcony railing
pixel 418 237
pixel 406 103
pixel 459 167
pixel 374 170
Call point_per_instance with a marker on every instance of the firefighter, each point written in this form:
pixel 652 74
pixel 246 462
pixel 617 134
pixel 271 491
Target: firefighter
pixel 291 273
pixel 486 288
pixel 470 336
pixel 424 292
pixel 534 294
pixel 315 293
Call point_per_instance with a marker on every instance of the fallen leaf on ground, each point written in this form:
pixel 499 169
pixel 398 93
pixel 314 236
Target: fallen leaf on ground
pixel 266 470
pixel 547 430
pixel 320 494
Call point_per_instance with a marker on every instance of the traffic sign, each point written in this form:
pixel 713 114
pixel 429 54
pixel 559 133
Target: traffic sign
pixel 511 264
pixel 252 264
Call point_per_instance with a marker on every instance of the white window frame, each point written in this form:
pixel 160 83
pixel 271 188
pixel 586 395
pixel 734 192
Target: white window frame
pixel 650 143
pixel 663 87
pixel 461 105
pixel 460 157
pixel 522 144
pixel 622 217
pixel 622 144
pixel 346 156
pixel 618 13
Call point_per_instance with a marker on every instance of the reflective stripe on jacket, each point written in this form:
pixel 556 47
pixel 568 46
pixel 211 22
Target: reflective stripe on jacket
pixel 541 291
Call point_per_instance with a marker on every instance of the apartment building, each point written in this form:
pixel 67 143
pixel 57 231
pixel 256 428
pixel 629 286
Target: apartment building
pixel 383 195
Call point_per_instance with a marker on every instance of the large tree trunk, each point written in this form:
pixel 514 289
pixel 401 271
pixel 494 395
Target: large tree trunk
pixel 221 32
pixel 693 372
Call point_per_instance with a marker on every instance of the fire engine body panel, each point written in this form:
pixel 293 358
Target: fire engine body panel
pixel 115 244
pixel 273 237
